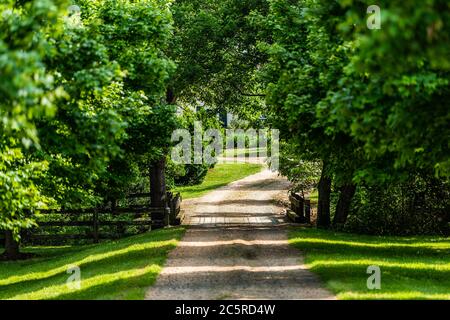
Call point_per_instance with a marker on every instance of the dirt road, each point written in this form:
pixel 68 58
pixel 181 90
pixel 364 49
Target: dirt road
pixel 236 248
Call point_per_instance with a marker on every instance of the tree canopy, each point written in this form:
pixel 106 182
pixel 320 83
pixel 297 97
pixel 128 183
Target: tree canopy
pixel 89 91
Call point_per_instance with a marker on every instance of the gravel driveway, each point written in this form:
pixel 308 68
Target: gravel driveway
pixel 236 248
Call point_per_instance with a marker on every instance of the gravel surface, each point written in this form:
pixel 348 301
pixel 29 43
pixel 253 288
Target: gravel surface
pixel 236 248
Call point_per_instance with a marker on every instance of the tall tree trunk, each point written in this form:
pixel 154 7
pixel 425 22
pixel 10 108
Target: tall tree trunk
pixel 11 247
pixel 346 194
pixel 158 183
pixel 158 193
pixel 323 207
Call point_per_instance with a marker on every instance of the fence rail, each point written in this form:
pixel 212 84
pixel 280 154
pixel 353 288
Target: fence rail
pixel 137 210
pixel 93 220
pixel 300 209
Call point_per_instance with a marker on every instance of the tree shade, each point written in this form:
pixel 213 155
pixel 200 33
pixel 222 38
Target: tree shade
pixel 89 91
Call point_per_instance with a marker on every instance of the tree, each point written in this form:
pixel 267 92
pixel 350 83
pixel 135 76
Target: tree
pixel 343 103
pixel 88 127
pixel 215 49
pixel 306 58
pixel 398 110
pixel 80 108
pixel 136 35
pixel 26 92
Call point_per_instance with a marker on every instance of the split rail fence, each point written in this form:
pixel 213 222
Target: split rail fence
pixel 91 222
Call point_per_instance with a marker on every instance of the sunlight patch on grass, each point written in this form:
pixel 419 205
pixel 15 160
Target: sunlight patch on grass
pixel 219 176
pixel 56 291
pixel 121 269
pixel 84 261
pixel 413 295
pixel 411 267
pixel 382 244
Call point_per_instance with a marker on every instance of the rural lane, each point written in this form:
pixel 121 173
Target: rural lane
pixel 236 247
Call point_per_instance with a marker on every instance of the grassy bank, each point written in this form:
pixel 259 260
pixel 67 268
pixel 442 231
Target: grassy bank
pixel 121 269
pixel 219 176
pixel 411 268
pixel 246 152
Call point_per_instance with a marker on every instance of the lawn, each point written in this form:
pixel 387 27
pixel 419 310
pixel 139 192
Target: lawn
pixel 121 269
pixel 220 175
pixel 411 267
pixel 246 152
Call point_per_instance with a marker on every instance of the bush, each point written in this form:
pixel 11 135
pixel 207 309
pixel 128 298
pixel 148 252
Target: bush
pixel 193 174
pixel 420 205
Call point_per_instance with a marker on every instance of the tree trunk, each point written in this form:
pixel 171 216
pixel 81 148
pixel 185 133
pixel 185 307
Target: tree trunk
pixel 158 183
pixel 170 96
pixel 11 247
pixel 343 206
pixel 158 193
pixel 323 207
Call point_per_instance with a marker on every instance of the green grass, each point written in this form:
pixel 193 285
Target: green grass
pixel 411 267
pixel 246 152
pixel 121 269
pixel 220 175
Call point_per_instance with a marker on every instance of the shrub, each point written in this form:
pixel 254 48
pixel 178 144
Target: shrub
pixel 420 205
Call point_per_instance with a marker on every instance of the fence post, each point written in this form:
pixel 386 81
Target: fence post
pixel 160 218
pixel 301 209
pixel 308 211
pixel 95 226
pixel 120 227
pixel 175 210
pixel 171 205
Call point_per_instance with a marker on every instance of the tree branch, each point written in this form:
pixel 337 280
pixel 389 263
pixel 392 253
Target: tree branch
pixel 249 94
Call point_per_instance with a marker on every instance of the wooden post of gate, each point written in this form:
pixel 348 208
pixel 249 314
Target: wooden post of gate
pixel 95 226
pixel 299 210
pixel 158 196
pixel 307 211
pixel 120 226
pixel 175 208
pixel 160 218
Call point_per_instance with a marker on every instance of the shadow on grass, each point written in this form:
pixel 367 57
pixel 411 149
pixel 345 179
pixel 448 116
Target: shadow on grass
pixel 411 267
pixel 101 265
pixel 120 289
pixel 321 240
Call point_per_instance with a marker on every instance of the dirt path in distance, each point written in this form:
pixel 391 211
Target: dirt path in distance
pixel 236 247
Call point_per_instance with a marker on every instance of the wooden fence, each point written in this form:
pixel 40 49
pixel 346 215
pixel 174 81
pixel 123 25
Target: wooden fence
pixel 176 216
pixel 93 220
pixel 300 209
